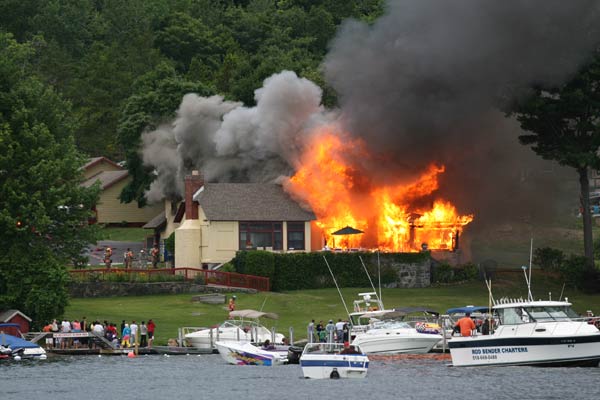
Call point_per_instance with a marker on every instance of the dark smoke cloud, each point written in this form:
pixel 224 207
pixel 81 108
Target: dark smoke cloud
pixel 424 79
pixel 232 143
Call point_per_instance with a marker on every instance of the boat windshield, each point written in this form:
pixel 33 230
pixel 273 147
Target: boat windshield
pixel 331 348
pixel 551 313
pixel 523 315
pixel 390 325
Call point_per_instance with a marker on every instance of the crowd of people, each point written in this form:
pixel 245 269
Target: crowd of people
pixel 338 332
pixel 129 258
pixel 124 336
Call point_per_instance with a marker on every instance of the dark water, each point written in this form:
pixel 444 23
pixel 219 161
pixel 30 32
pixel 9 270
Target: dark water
pixel 207 376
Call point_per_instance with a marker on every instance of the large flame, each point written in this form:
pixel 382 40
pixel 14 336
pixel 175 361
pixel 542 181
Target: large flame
pixel 338 189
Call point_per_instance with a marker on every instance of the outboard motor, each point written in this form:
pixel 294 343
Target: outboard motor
pixel 334 374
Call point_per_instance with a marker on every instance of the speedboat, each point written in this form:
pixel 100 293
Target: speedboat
pixel 238 353
pixel 393 337
pixel 528 332
pixel 244 326
pixel 20 348
pixel 368 306
pixel 333 360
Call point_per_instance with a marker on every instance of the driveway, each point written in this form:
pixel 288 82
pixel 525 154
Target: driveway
pixel 95 253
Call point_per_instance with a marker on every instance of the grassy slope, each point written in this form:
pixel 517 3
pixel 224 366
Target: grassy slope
pixel 296 309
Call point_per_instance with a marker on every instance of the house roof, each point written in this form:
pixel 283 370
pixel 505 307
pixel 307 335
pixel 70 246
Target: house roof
pixel 9 314
pixel 106 178
pixel 156 222
pixel 249 202
pixel 97 160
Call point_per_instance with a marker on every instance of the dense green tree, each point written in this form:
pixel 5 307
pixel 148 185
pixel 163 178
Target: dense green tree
pixel 43 208
pixel 562 123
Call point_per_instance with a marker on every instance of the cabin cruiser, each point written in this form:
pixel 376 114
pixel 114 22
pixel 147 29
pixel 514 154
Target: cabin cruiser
pixel 239 353
pixel 528 332
pixel 368 306
pixel 393 337
pixel 333 360
pixel 243 326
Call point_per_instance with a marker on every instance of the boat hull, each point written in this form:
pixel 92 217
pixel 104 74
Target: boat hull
pixel 535 351
pixel 323 366
pixel 390 343
pixel 247 354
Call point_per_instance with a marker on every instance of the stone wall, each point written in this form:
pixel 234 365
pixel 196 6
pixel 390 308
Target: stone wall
pixel 108 289
pixel 414 275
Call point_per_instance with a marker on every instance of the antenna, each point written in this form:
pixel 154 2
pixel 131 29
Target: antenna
pixel 369 276
pixel 530 261
pixel 337 287
pixel 529 296
pixel 379 277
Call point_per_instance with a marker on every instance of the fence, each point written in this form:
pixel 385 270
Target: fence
pixel 211 277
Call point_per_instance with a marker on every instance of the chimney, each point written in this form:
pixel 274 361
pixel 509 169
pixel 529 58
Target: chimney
pixel 193 182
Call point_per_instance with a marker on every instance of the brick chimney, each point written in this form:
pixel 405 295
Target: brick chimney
pixel 193 182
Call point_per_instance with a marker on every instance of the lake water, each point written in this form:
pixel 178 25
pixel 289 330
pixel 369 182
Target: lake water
pixel 208 377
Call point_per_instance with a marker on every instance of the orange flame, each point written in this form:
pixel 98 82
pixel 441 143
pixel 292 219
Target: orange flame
pixel 338 190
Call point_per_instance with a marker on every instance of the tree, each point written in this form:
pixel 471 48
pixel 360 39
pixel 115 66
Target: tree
pixel 563 124
pixel 43 207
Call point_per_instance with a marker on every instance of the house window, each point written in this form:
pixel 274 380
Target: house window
pixel 261 234
pixel 295 235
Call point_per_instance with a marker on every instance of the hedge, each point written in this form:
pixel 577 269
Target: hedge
pixel 297 271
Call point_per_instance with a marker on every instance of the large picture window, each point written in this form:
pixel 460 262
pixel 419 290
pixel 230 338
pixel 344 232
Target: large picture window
pixel 295 235
pixel 261 234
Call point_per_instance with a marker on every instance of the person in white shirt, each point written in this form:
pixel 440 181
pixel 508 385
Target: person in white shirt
pixel 134 333
pixel 339 330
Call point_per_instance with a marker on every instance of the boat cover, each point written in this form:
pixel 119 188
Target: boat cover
pixel 467 309
pixel 16 343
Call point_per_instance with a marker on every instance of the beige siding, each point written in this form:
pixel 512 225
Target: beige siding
pixel 112 211
pixel 187 245
pixel 220 241
pixel 171 224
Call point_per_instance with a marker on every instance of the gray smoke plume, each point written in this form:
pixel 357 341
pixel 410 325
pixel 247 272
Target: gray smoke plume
pixel 232 143
pixel 423 80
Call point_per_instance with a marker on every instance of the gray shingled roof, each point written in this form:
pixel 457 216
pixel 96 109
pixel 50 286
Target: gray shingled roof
pixel 249 202
pixel 106 178
pixel 156 222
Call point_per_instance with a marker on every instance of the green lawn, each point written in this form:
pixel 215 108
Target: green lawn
pixel 297 308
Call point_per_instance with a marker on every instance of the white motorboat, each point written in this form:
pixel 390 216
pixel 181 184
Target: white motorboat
pixel 237 353
pixel 527 332
pixel 244 326
pixel 393 337
pixel 333 360
pixel 19 347
pixel 366 307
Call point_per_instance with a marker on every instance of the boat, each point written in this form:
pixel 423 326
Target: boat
pixel 528 332
pixel 366 307
pixel 333 360
pixel 243 326
pixel 393 337
pixel 238 353
pixel 20 348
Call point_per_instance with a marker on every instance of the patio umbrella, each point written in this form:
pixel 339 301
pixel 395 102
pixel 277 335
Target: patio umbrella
pixel 348 230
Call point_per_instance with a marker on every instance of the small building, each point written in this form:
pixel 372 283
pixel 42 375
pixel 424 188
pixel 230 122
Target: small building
pixel 113 178
pixel 15 317
pixel 216 220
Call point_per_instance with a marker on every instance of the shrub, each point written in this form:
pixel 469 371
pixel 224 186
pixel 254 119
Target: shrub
pixel 260 263
pixel 573 270
pixel 548 259
pixel 442 273
pixel 466 272
pixel 227 267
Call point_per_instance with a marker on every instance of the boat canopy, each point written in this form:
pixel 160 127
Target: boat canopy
pixel 467 309
pixel 16 343
pixel 252 314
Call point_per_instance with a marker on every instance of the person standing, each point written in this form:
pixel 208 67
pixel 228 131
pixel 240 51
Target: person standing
pixel 128 258
pixel 108 257
pixel 231 305
pixel 330 328
pixel 125 336
pixel 151 327
pixel 155 253
pixel 143 334
pixel 465 325
pixel 339 331
pixel 134 332
pixel 311 331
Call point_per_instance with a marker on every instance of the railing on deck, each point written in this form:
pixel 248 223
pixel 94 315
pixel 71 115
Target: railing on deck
pixel 211 277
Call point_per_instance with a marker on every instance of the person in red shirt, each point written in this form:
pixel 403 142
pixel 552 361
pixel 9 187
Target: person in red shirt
pixel 465 325
pixel 150 327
